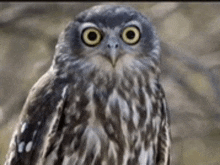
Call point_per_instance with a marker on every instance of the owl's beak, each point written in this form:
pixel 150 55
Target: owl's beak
pixel 113 51
pixel 113 56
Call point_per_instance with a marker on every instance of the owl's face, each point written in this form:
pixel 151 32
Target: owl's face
pixel 112 39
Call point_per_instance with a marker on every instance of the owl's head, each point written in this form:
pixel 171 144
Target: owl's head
pixel 109 38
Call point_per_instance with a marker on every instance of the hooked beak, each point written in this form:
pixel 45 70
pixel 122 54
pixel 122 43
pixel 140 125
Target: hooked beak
pixel 113 51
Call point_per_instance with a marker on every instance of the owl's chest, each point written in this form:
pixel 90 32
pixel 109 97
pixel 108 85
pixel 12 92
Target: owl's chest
pixel 97 107
pixel 107 125
pixel 115 115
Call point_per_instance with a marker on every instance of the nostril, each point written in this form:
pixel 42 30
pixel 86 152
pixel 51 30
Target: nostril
pixel 112 46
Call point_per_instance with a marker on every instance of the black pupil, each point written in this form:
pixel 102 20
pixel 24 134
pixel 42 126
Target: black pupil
pixel 130 34
pixel 92 36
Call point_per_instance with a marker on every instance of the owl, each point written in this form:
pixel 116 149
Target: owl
pixel 100 102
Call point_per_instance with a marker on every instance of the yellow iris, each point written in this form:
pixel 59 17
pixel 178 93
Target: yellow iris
pixel 91 37
pixel 131 35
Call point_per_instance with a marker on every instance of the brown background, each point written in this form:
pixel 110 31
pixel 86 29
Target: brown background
pixel 190 39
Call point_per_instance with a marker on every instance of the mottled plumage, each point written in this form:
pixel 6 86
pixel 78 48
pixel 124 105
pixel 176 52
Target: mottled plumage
pixel 100 103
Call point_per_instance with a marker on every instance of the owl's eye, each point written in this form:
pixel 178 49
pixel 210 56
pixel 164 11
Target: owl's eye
pixel 131 35
pixel 91 36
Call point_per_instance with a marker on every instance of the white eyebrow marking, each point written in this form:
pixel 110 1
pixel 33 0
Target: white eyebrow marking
pixel 136 23
pixel 86 25
pixel 21 147
pixel 29 146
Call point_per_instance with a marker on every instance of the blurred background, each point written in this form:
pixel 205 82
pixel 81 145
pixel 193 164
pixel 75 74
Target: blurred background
pixel 190 40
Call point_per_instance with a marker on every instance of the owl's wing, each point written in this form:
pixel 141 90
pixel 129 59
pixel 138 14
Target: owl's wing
pixel 45 99
pixel 163 156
